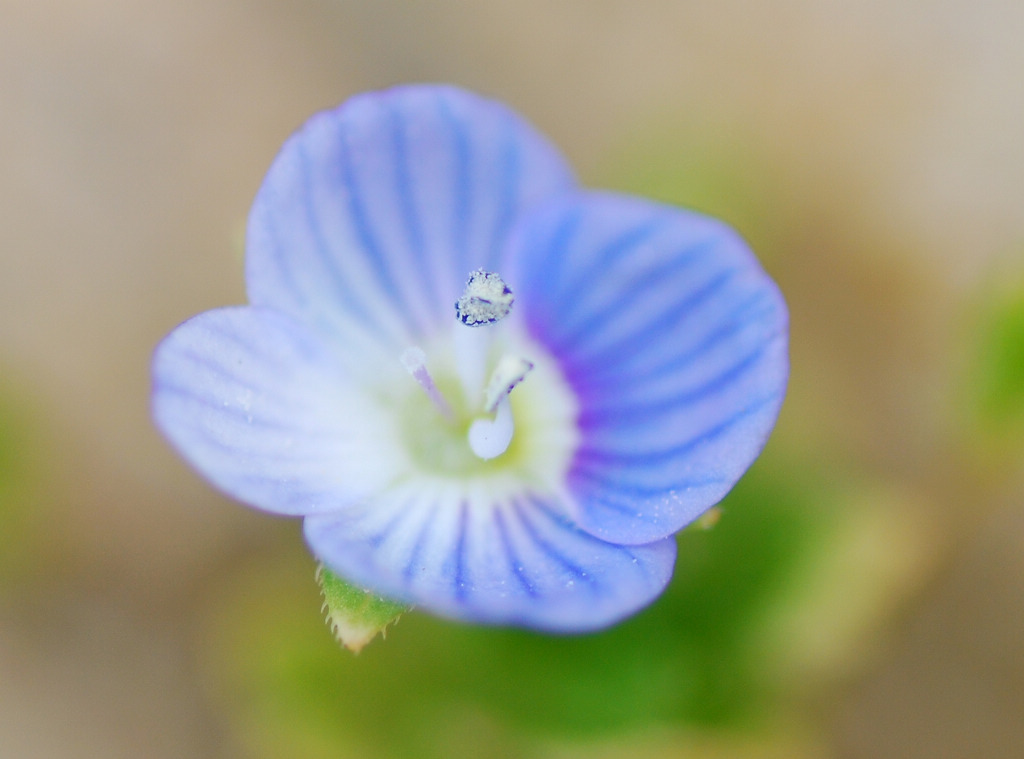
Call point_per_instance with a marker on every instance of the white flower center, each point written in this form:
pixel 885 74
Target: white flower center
pixel 488 397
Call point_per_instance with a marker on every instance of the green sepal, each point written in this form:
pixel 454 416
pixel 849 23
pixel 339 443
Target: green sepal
pixel 709 518
pixel 355 615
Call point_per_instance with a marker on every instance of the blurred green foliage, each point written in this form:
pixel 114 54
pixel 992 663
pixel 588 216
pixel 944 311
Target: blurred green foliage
pixel 690 659
pixel 999 359
pixel 20 480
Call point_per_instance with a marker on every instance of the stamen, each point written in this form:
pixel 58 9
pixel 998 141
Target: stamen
pixel 415 362
pixel 510 371
pixel 471 347
pixel 486 299
pixel 490 438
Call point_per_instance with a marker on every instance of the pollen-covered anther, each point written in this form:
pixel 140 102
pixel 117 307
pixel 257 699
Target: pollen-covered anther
pixel 486 299
pixel 510 371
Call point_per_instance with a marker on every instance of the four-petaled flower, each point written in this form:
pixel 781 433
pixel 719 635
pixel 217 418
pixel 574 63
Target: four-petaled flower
pixel 524 457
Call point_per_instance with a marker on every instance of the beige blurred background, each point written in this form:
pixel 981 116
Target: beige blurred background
pixel 133 136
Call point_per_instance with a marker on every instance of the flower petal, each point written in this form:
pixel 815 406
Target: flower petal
pixel 675 341
pixel 462 555
pixel 373 214
pixel 263 409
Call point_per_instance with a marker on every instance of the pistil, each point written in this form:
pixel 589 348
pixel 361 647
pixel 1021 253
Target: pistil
pixel 415 362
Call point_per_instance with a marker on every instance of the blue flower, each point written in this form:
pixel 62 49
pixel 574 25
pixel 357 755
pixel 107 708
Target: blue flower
pixel 489 392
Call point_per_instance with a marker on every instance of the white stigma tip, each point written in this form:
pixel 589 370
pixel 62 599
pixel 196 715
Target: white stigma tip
pixel 491 438
pixel 415 362
pixel 486 299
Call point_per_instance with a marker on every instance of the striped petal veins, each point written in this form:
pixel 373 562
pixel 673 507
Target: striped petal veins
pixel 488 392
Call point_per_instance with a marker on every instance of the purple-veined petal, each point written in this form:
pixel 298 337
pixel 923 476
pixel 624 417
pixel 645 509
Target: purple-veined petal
pixel 669 339
pixel 264 409
pixel 466 554
pixel 675 341
pixel 373 214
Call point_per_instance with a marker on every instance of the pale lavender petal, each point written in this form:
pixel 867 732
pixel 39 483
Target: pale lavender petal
pixel 264 410
pixel 674 340
pixel 373 214
pixel 513 561
pixel 671 338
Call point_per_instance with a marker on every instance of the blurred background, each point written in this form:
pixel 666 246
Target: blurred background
pixel 861 596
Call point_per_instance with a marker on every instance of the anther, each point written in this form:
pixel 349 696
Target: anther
pixel 486 299
pixel 510 371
